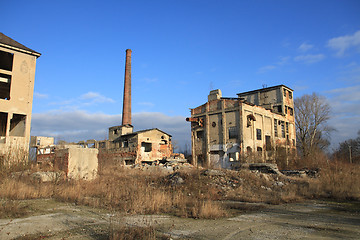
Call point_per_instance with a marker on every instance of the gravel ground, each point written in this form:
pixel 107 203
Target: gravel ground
pixel 48 219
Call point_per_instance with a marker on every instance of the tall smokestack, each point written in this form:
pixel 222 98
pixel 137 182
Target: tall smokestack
pixel 126 116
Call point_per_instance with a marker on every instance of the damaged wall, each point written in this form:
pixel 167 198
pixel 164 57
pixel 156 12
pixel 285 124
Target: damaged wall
pixel 228 131
pixel 17 74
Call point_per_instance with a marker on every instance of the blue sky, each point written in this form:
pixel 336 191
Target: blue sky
pixel 181 50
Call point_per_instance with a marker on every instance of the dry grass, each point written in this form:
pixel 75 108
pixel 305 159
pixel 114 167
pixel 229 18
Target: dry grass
pixel 133 191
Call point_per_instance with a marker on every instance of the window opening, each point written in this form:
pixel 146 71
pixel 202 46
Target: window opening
pixel 6 60
pixel 17 125
pixel 282 129
pixel 5 83
pixel 248 150
pixel 258 134
pixel 287 128
pixel 279 109
pixel 290 95
pixel 259 149
pixel 275 128
pixel 147 146
pixel 3 123
pixel 199 135
pixel 291 111
pixel 268 143
pixel 284 93
pixel 125 144
pixel 233 132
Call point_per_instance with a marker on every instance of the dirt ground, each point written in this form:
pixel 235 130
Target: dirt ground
pixel 48 219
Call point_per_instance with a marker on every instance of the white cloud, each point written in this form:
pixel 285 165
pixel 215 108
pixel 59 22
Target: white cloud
pixel 96 97
pixel 343 43
pixel 266 68
pixel 304 47
pixel 86 99
pixel 147 104
pixel 80 125
pixel 345 119
pixel 309 58
pixel 40 95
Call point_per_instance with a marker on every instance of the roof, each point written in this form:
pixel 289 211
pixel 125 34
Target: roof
pixel 5 40
pixel 264 89
pixel 142 131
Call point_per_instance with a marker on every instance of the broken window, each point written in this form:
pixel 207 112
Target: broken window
pixel 282 129
pixel 6 60
pixel 233 132
pixel 279 109
pixel 18 125
pixel 286 109
pixel 125 144
pixel 290 95
pixel 291 111
pixel 268 143
pixel 146 146
pixel 3 123
pixel 199 135
pixel 259 149
pixel 287 128
pixel 275 128
pixel 248 150
pixel 5 83
pixel 258 134
pixel 115 131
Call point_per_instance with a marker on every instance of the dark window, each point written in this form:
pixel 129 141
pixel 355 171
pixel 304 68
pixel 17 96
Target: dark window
pixel 125 144
pixel 233 132
pixel 291 111
pixel 248 150
pixel 284 93
pixel 17 125
pixel 275 128
pixel 286 109
pixel 147 146
pixel 282 129
pixel 5 83
pixel 279 109
pixel 199 135
pixel 290 95
pixel 287 128
pixel 258 134
pixel 3 123
pixel 259 149
pixel 115 131
pixel 6 60
pixel 268 143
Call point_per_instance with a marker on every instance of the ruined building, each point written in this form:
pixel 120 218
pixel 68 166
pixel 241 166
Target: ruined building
pixel 130 147
pixel 256 126
pixel 17 75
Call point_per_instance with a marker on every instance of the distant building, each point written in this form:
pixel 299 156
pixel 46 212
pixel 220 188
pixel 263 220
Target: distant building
pixel 136 147
pixel 256 126
pixel 17 75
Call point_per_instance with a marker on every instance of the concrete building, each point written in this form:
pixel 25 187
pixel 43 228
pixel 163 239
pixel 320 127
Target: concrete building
pixel 130 147
pixel 257 126
pixel 17 75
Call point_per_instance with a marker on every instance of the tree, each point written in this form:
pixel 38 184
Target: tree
pixel 349 150
pixel 312 132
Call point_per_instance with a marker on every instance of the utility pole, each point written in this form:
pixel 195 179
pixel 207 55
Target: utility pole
pixel 350 153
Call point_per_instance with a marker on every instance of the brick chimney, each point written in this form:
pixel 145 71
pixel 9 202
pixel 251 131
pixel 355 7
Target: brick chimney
pixel 126 116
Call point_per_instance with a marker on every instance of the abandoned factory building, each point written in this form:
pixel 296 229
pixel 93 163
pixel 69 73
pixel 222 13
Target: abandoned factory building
pixel 255 126
pixel 17 74
pixel 130 147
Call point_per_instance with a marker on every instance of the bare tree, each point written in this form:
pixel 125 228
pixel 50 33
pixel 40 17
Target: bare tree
pixel 312 131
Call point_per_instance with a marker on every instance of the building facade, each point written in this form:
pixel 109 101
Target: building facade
pixel 256 126
pixel 17 75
